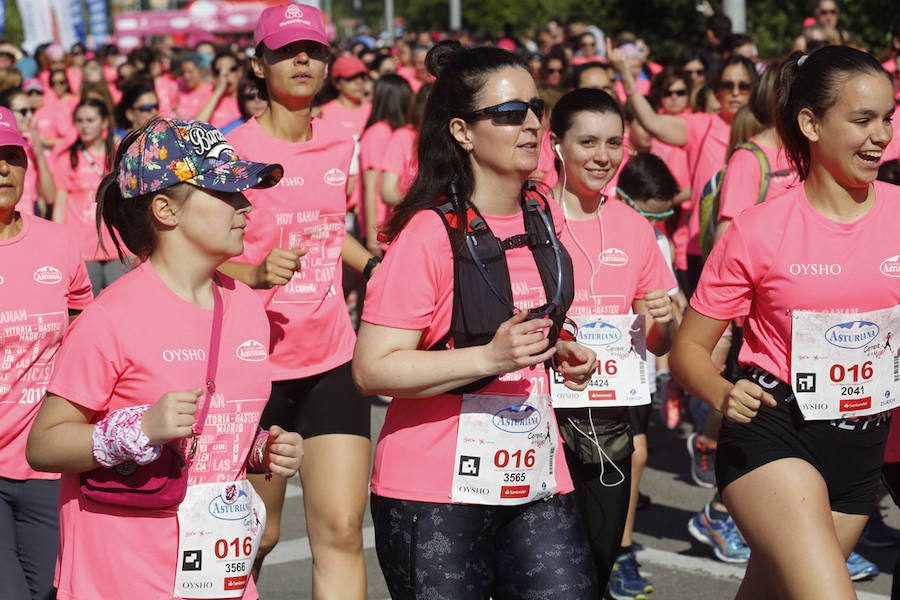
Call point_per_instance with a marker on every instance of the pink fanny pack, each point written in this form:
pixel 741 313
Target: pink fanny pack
pixel 162 483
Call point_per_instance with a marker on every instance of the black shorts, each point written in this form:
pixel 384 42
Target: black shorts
pixel 640 418
pixel 847 453
pixel 319 405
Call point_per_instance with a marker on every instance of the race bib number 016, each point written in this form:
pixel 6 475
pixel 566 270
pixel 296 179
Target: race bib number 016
pixel 845 365
pixel 620 342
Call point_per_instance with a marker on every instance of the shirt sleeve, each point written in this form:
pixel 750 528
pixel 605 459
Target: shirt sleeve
pixel 394 160
pixel 417 272
pixel 89 361
pixel 726 286
pixel 740 187
pixel 655 272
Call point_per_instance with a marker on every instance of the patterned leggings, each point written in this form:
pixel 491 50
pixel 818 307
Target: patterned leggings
pixel 535 551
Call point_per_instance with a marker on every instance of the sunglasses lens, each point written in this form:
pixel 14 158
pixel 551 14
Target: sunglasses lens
pixel 513 116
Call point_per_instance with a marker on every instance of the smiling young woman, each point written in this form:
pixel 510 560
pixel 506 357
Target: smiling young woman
pixel 795 426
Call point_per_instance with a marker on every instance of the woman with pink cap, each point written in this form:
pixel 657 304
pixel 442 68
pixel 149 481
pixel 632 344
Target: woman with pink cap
pixel 294 254
pixel 43 283
pixel 167 404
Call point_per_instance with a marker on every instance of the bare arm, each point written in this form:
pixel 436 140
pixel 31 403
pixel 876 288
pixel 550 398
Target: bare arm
pixel 389 188
pixel 386 359
pixel 668 129
pixel 60 438
pixel 370 210
pixel 46 187
pixel 207 111
pixel 684 194
pixel 355 254
pixel 656 306
pixel 278 268
pixel 59 206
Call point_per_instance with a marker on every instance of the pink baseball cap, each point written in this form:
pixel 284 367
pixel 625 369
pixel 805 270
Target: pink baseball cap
pixel 9 130
pixel 280 25
pixel 348 67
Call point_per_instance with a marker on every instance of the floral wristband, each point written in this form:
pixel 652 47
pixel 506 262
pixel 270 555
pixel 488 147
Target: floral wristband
pixel 118 437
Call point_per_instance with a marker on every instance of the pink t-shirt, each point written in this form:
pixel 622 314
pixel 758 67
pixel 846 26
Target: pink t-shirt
pixel 372 146
pixel 892 152
pixel 783 255
pixel 409 74
pixel 136 342
pixel 191 102
pixel 29 191
pixel 400 158
pixel 81 203
pixel 351 119
pixel 616 259
pixel 305 210
pixel 707 142
pixel 741 184
pixel 41 277
pixel 225 112
pixel 167 92
pixel 413 289
pixel 546 161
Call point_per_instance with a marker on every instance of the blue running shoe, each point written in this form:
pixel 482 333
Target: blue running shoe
pixel 723 536
pixel 860 568
pixel 625 581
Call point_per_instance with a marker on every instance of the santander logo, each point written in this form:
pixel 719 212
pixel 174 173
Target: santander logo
pixel 335 177
pixel 890 266
pixel 48 275
pixel 613 257
pixel 252 351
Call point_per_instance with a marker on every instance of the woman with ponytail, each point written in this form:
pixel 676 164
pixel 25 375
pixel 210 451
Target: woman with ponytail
pixel 815 273
pixel 455 329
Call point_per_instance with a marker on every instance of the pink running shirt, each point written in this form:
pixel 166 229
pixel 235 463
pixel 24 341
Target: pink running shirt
pixel 351 119
pixel 225 112
pixel 413 289
pixel 783 255
pixel 81 202
pixel 707 141
pixel 41 277
pixel 400 159
pixel 741 184
pixel 136 342
pixel 305 210
pixel 191 102
pixel 29 192
pixel 372 147
pixel 616 259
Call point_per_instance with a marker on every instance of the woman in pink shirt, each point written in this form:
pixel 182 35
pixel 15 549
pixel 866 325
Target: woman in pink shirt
pixel 40 190
pixel 78 171
pixel 222 107
pixel 129 394
pixel 449 337
pixel 43 283
pixel 349 75
pixel 704 136
pixel 194 91
pixel 618 270
pixel 815 272
pixel 295 251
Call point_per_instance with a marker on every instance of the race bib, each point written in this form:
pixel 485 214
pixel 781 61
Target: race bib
pixel 620 342
pixel 845 366
pixel 505 450
pixel 219 529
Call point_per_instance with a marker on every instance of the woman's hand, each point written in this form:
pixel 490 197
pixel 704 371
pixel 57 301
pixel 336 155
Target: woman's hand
pixel 278 267
pixel 519 343
pixel 171 418
pixel 742 403
pixel 284 452
pixel 576 363
pixel 619 62
pixel 659 306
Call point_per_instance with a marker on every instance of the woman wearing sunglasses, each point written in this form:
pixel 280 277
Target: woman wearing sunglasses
pixel 222 107
pixel 294 253
pixel 139 105
pixel 469 479
pixel 619 270
pixel 251 103
pixel 40 189
pixel 704 137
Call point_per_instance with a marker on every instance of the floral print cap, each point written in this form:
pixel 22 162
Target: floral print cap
pixel 170 151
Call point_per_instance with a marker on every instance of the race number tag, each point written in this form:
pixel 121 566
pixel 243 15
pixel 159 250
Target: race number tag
pixel 505 448
pixel 219 529
pixel 845 365
pixel 620 342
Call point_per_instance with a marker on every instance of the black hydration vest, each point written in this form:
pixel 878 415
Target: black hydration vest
pixel 477 311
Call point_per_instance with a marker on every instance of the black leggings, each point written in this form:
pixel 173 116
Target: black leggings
pixel 473 552
pixel 890 475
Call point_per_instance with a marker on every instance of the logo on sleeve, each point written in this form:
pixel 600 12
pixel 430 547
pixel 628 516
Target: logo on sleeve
pixel 335 177
pixel 613 257
pixel 48 275
pixel 252 351
pixel 890 266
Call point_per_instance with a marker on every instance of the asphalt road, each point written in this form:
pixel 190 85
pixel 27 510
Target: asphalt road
pixel 678 567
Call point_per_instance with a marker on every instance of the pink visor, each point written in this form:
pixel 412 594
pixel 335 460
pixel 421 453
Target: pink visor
pixel 281 25
pixel 9 131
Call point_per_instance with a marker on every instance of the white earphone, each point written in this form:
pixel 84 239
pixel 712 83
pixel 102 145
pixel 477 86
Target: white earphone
pixel 558 153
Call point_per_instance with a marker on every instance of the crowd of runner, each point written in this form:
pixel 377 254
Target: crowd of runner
pixel 214 260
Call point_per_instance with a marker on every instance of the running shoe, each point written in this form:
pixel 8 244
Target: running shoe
pixel 625 581
pixel 877 534
pixel 703 462
pixel 860 568
pixel 722 535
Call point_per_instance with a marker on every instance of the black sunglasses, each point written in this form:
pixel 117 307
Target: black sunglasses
pixel 233 69
pixel 554 70
pixel 38 92
pixel 673 93
pixel 250 95
pixel 509 113
pixel 25 111
pixel 147 107
pixel 697 72
pixel 727 86
pixel 59 82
